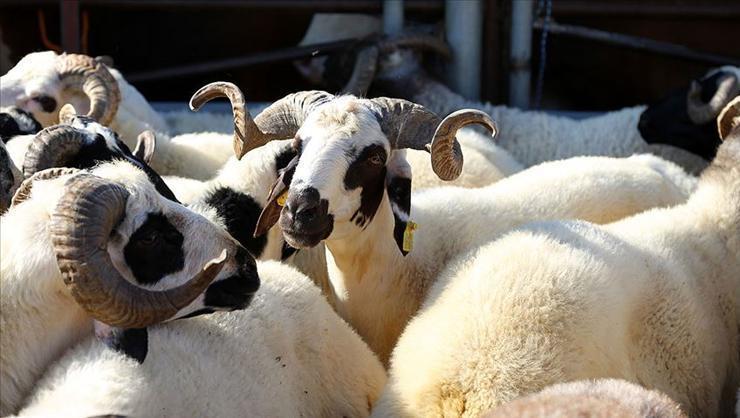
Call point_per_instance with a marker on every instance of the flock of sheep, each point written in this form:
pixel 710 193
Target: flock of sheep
pixel 338 255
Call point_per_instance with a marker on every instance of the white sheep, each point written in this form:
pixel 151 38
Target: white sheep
pixel 592 398
pixel 654 299
pixel 287 355
pixel 673 128
pixel 35 86
pixel 335 192
pixel 54 231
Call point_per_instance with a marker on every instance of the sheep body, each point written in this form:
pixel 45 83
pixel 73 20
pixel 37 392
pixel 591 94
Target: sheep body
pixel 652 299
pixel 451 220
pixel 288 354
pixel 592 398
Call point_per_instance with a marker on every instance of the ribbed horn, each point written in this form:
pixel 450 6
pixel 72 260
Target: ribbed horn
pixel 424 42
pixel 85 74
pixel 80 228
pixel 700 112
pixel 729 118
pixel 363 72
pixel 280 120
pixel 24 191
pixel 409 125
pixel 53 147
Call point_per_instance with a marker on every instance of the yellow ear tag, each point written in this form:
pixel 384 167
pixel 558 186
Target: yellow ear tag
pixel 408 236
pixel 282 198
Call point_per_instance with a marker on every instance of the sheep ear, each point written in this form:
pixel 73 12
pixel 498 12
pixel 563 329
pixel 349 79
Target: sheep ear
pixel 271 213
pixel 146 143
pixel 398 186
pixel 133 342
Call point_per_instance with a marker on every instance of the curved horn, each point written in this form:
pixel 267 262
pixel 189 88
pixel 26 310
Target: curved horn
pixel 24 191
pixel 80 228
pixel 82 73
pixel 408 125
pixel 52 147
pixel 700 112
pixel 363 73
pixel 280 120
pixel 729 118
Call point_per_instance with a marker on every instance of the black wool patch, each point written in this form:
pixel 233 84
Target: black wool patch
pixel 362 172
pixel 240 213
pixel 154 250
pixel 133 342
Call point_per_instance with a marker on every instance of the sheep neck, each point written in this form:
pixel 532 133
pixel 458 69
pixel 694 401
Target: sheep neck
pixel 370 279
pixel 38 318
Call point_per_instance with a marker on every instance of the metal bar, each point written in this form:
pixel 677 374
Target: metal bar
pixel 69 17
pixel 637 42
pixel 245 61
pixel 392 17
pixel 463 29
pixel 723 10
pixel 522 13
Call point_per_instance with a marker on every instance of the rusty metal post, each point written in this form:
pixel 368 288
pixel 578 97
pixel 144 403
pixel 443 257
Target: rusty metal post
pixel 69 15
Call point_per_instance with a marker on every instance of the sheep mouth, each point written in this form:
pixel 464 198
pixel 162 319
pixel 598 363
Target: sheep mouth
pixel 302 240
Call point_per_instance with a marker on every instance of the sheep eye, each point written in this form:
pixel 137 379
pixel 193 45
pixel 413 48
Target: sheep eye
pixel 376 160
pixel 48 103
pixel 149 239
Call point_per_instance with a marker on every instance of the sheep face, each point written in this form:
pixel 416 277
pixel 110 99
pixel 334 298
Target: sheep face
pixel 157 244
pixel 95 144
pixel 672 121
pixel 336 182
pixel 33 86
pixel 15 121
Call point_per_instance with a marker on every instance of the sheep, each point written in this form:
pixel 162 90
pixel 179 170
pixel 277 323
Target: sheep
pixel 334 191
pixel 679 127
pixel 595 398
pixel 37 85
pixel 288 354
pixel 15 121
pixel 10 178
pixel 56 283
pixel 653 298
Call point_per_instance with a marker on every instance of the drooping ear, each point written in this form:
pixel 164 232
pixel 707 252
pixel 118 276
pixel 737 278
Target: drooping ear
pixel 271 213
pixel 146 144
pixel 132 342
pixel 398 186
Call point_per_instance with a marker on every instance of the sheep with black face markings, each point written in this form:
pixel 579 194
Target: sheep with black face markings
pixel 334 191
pixel 104 245
pixel 10 178
pixel 654 299
pixel 287 355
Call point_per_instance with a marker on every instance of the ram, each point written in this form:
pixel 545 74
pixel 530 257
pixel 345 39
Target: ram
pixel 679 127
pixel 104 245
pixel 287 355
pixel 594 398
pixel 42 82
pixel 654 299
pixel 339 190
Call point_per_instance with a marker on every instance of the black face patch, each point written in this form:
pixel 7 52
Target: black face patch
pixel 133 342
pixel 367 171
pixel 240 213
pixel 235 292
pixel 154 250
pixel 48 104
pixel 668 122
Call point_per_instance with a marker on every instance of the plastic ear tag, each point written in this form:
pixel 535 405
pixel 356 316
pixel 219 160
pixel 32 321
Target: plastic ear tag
pixel 282 198
pixel 408 236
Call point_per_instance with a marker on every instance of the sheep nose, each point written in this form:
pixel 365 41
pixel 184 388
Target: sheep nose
pixel 304 205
